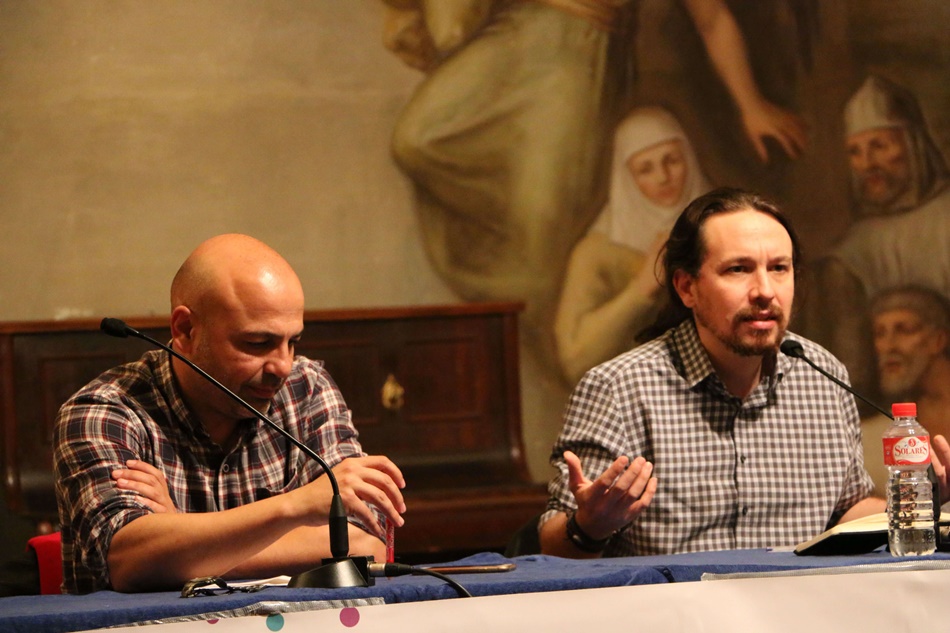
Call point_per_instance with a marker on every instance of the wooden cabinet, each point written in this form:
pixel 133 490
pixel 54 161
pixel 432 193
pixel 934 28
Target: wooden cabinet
pixel 435 388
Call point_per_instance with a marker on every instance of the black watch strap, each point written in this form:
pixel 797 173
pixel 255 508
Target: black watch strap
pixel 582 540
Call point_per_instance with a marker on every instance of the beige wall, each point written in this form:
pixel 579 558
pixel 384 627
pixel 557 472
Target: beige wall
pixel 131 131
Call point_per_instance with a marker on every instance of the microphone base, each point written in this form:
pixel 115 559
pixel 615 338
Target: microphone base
pixel 334 573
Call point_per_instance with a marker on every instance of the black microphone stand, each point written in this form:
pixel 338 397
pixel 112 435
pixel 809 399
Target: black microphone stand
pixel 342 570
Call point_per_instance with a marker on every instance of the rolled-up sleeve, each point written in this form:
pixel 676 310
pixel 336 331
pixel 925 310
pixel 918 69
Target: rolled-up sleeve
pixel 91 439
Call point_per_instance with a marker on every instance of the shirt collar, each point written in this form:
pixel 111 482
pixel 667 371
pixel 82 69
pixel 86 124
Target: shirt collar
pixel 171 391
pixel 695 363
pixel 696 366
pixel 168 385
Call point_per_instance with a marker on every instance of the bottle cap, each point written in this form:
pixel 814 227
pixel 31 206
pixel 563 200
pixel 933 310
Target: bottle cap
pixel 904 409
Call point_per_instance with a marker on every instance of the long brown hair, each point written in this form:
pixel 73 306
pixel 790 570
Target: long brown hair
pixel 685 249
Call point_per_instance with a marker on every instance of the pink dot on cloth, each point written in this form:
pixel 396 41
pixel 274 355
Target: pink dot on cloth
pixel 349 616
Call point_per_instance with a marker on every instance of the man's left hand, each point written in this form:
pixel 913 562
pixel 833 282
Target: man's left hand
pixel 149 482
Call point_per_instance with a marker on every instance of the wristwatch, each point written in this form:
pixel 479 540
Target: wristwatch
pixel 582 540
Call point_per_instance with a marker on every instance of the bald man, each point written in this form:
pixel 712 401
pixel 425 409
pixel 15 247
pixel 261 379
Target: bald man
pixel 161 477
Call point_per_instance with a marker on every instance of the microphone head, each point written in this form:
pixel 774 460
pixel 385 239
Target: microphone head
pixel 114 327
pixel 792 348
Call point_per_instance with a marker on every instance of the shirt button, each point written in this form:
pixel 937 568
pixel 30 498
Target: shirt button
pixel 226 468
pixel 745 510
pixel 742 458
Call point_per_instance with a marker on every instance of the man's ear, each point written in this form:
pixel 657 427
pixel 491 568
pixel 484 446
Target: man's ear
pixel 182 326
pixel 684 284
pixel 938 342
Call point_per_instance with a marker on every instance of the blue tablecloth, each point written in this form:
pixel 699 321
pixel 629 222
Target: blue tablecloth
pixel 53 614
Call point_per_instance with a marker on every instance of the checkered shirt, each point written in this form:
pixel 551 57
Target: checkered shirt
pixel 136 411
pixel 774 469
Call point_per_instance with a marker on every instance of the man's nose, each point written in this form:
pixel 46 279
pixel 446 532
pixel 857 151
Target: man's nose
pixel 884 342
pixel 763 289
pixel 280 362
pixel 860 161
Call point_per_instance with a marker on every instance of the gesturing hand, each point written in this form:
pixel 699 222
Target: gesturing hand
pixel 148 481
pixel 940 458
pixel 615 498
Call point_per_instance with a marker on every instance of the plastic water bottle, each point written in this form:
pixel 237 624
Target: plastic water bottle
pixel 910 504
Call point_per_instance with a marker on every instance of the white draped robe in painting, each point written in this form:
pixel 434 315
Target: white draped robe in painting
pixel 504 143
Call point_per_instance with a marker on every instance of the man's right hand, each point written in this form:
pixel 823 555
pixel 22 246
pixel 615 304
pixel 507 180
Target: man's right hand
pixel 372 480
pixel 363 481
pixel 614 499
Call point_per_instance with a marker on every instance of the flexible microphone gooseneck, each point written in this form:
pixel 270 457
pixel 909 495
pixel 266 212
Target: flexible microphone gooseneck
pixel 795 350
pixel 341 570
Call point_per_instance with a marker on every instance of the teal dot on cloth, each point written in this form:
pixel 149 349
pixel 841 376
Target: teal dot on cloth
pixel 349 617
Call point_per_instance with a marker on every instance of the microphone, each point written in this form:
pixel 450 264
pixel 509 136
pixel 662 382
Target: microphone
pixel 341 570
pixel 795 350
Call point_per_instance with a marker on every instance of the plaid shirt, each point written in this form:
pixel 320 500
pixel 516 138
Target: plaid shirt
pixel 774 469
pixel 136 411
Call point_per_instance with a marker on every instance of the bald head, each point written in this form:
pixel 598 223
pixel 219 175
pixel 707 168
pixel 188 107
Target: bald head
pixel 237 312
pixel 236 272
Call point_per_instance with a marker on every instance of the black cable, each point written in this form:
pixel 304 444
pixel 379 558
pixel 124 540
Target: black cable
pixel 390 570
pixel 462 591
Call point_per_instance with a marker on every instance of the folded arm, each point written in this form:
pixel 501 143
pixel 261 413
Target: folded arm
pixel 284 534
pixel 594 322
pixel 162 551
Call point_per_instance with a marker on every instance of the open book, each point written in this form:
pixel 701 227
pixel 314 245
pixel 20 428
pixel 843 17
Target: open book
pixel 855 537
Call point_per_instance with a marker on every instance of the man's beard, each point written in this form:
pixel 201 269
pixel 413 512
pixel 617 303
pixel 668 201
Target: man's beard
pixel 885 193
pixel 906 381
pixel 222 403
pixel 762 342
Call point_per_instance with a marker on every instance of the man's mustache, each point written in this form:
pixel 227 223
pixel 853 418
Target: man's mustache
pixel 891 357
pixel 751 314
